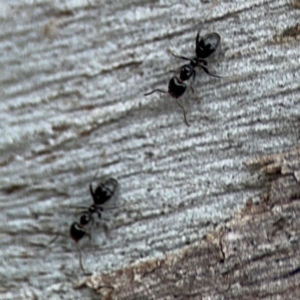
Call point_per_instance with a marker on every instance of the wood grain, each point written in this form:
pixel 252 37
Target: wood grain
pixel 253 256
pixel 72 110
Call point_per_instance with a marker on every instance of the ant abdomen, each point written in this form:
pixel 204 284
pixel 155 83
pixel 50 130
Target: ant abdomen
pixel 207 45
pixel 104 191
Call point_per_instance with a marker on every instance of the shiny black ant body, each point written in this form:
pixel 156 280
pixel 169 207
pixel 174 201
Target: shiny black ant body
pixel 205 47
pixel 77 231
pixel 104 192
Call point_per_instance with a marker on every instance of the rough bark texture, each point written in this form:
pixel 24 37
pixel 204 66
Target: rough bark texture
pixel 73 75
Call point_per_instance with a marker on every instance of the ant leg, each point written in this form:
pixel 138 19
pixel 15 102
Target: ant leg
pixel 194 75
pixel 193 79
pixel 80 258
pixel 53 240
pixel 90 235
pixel 181 57
pixel 157 90
pixel 91 191
pixel 80 261
pixel 204 68
pixel 184 113
pixel 99 211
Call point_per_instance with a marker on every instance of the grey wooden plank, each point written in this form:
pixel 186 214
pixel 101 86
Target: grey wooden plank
pixel 72 84
pixel 255 255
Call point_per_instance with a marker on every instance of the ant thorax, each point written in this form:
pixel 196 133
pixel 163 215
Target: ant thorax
pixel 187 71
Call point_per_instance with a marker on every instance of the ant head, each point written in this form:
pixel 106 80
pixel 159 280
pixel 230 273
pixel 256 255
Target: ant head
pixel 77 232
pixel 176 87
pixel 104 191
pixel 207 45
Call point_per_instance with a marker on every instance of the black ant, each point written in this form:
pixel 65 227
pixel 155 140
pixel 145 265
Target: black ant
pixel 104 192
pixel 205 47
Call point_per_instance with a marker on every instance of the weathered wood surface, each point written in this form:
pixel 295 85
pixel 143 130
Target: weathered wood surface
pixel 73 74
pixel 255 255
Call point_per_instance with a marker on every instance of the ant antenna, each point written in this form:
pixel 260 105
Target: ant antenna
pixel 184 112
pixel 157 90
